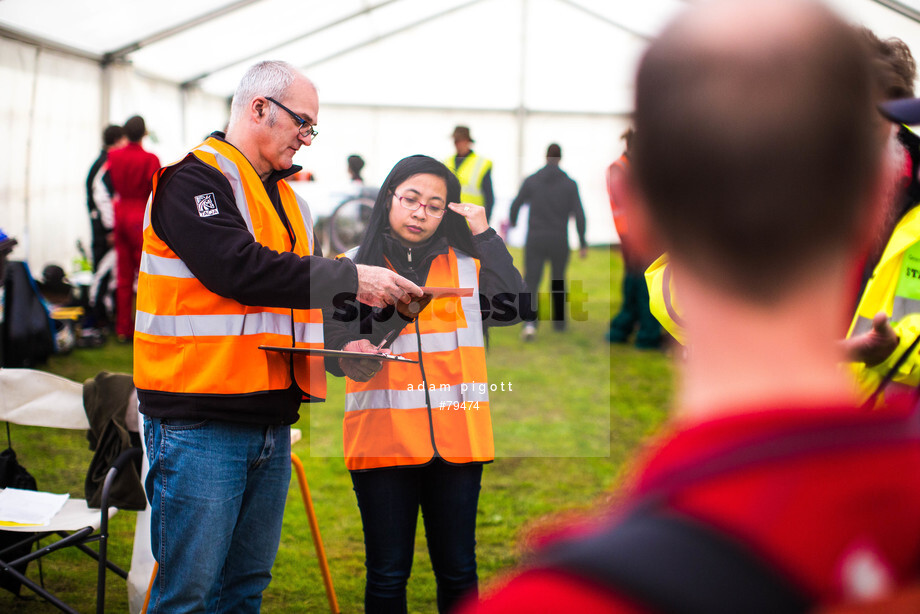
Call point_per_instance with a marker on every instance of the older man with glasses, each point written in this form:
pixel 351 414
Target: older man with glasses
pixel 230 264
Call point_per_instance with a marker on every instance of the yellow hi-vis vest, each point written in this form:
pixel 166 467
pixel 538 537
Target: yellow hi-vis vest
pixel 473 168
pixel 408 413
pixel 190 340
pixel 662 298
pixel 895 289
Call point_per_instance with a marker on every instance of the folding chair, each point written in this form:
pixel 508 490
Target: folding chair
pixel 35 398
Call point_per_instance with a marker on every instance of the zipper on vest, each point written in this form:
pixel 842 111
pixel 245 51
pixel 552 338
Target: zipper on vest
pixel 409 254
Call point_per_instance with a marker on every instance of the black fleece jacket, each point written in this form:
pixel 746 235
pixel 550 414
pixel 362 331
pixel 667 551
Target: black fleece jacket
pixel 224 256
pixel 553 198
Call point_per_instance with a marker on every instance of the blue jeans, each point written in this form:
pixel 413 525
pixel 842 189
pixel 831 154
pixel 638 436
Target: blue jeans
pixel 217 492
pixel 389 500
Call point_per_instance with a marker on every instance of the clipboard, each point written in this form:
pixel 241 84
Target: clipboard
pixel 439 292
pixel 336 353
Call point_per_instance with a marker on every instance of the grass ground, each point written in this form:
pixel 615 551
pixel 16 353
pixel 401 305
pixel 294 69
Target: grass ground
pixel 573 412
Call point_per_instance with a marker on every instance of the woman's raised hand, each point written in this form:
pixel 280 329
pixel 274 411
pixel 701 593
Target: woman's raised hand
pixel 474 214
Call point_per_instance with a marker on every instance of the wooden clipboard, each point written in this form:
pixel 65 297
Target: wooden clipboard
pixel 336 353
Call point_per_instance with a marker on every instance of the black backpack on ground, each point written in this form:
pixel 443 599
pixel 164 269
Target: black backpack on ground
pixel 27 332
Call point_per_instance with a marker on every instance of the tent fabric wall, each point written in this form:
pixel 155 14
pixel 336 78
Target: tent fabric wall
pixel 51 133
pixel 394 77
pixel 383 135
pixel 50 137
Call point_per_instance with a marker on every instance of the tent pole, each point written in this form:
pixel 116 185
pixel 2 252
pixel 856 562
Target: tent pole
pixel 27 187
pixel 105 94
pixel 183 111
pixel 901 8
pixel 521 114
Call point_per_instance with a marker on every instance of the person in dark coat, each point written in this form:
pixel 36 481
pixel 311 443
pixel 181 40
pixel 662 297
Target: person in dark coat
pixel 553 199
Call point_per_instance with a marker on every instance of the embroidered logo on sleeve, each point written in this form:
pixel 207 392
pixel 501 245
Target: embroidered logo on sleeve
pixel 207 205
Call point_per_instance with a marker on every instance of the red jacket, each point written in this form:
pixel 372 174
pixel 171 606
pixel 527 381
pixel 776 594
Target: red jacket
pixel 837 524
pixel 131 170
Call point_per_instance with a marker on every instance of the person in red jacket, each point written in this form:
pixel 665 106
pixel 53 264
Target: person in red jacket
pixel 634 311
pixel 758 164
pixel 131 171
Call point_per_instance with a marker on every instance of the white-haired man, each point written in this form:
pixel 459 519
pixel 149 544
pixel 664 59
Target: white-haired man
pixel 230 264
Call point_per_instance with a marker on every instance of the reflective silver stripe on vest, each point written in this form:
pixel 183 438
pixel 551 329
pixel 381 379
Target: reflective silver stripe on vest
pixel 473 188
pixel 440 342
pixel 666 295
pixel 470 336
pixel 164 267
pixel 441 398
pixel 863 325
pixel 431 342
pixel 350 254
pixel 306 214
pixel 227 325
pixel 232 174
pixel 902 307
pixel 147 210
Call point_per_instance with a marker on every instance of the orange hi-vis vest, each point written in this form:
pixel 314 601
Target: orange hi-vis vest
pixel 619 216
pixel 189 340
pixel 408 413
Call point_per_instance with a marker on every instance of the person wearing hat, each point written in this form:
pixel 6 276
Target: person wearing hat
pixel 131 171
pixel 473 171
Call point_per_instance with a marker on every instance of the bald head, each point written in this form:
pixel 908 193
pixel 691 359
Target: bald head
pixel 756 139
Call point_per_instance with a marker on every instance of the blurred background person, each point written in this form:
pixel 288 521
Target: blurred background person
pixel 473 171
pixel 99 193
pixel 99 196
pixel 355 165
pixel 553 199
pixel 131 170
pixel 634 310
pixel 885 287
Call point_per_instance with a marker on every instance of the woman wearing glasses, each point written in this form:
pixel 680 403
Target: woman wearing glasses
pixel 418 433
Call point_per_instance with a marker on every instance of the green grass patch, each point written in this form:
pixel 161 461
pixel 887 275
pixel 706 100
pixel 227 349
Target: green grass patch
pixel 576 411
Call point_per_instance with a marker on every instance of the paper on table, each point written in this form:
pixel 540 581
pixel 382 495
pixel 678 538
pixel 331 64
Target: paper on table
pixel 29 507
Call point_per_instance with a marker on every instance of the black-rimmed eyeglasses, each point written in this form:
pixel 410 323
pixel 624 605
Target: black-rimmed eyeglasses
pixel 305 128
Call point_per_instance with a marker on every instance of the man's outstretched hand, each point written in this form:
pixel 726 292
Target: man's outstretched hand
pixel 379 287
pixel 874 346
